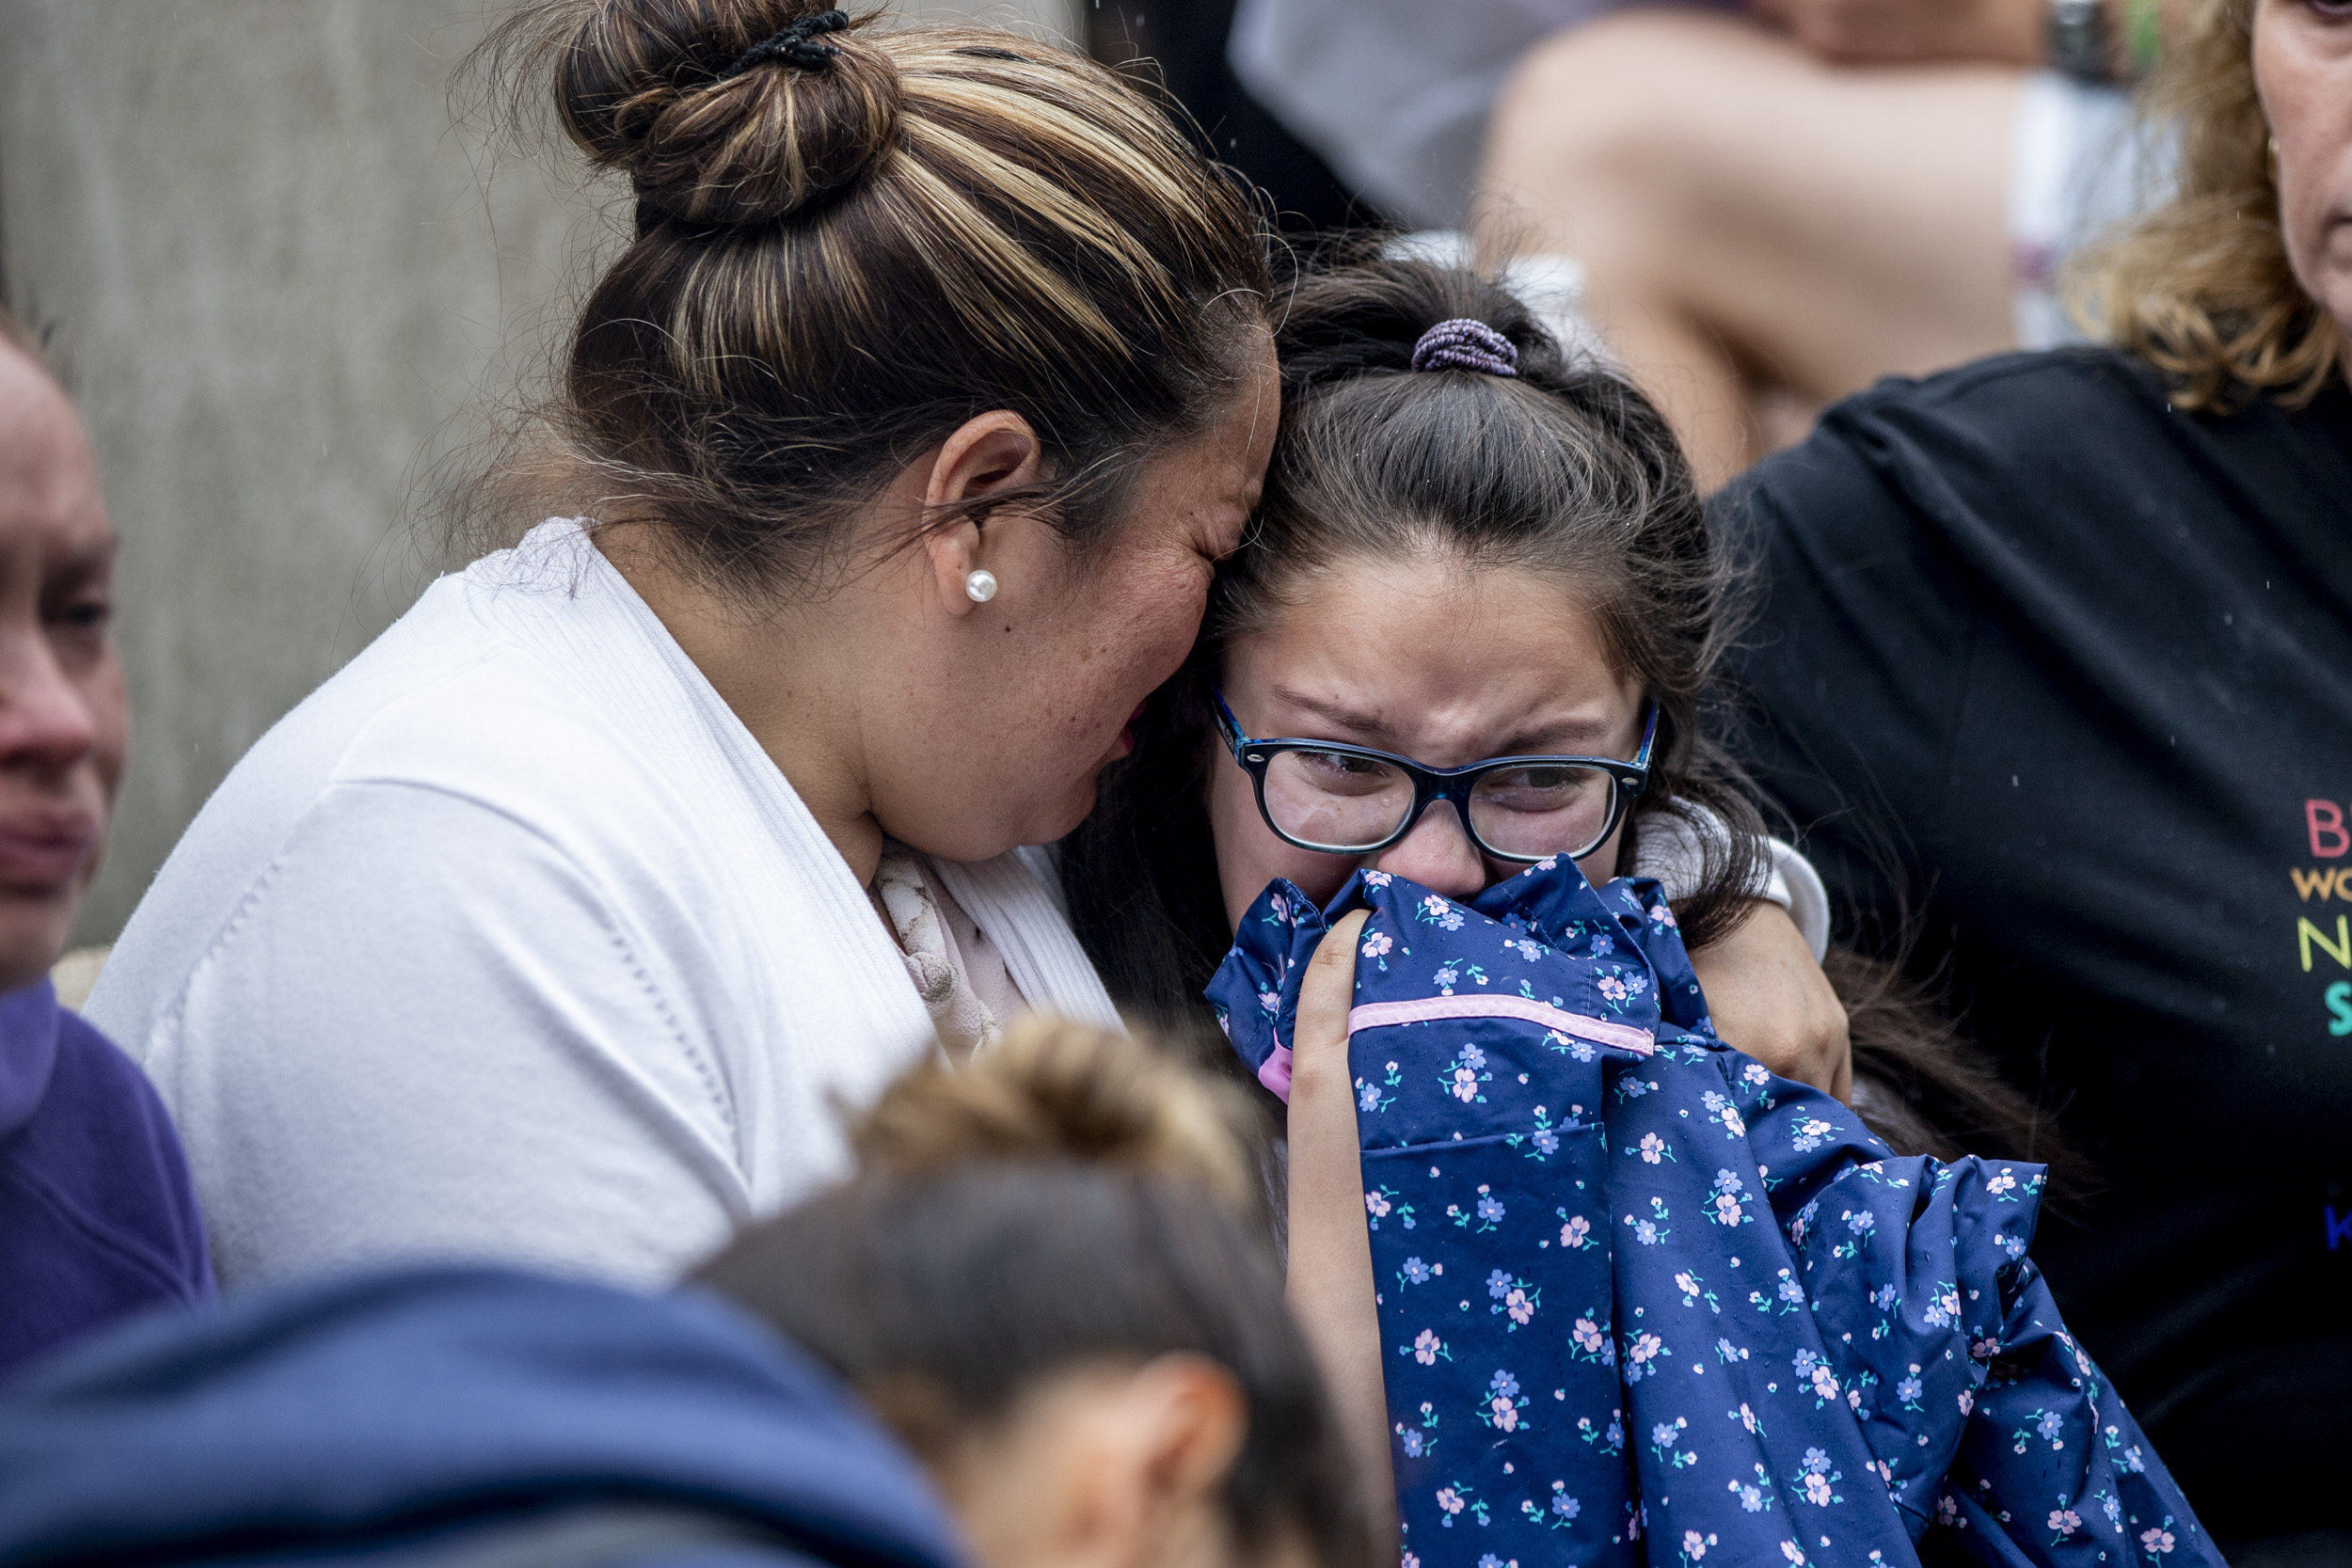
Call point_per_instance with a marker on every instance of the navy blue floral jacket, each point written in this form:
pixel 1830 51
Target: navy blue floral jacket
pixel 1647 1302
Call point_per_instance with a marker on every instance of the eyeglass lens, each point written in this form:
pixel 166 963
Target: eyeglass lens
pixel 1341 802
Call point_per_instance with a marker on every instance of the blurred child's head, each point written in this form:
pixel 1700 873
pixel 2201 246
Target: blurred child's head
pixel 1049 1275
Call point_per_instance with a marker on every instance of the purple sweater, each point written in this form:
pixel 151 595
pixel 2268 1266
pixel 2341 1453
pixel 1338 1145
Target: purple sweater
pixel 97 1217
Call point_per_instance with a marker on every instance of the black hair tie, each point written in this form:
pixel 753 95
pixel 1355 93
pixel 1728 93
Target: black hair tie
pixel 797 45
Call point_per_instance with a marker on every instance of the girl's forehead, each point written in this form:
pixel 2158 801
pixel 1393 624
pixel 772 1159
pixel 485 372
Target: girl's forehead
pixel 1440 580
pixel 1437 615
pixel 1433 660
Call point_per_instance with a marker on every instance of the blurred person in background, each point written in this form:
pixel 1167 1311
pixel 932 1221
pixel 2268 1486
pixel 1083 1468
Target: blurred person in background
pixel 97 1217
pixel 2075 629
pixel 1179 45
pixel 1038 1327
pixel 1773 203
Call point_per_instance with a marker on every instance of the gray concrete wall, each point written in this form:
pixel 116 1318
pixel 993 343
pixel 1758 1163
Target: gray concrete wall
pixel 288 289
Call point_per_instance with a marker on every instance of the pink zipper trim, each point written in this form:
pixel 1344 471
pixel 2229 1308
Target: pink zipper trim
pixel 1381 1015
pixel 1275 1074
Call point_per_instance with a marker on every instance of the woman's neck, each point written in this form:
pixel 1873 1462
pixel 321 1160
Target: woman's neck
pixel 777 674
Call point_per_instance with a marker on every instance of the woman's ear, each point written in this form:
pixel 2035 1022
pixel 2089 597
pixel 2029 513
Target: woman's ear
pixel 987 456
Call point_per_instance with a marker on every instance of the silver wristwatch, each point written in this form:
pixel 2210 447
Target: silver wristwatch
pixel 2078 40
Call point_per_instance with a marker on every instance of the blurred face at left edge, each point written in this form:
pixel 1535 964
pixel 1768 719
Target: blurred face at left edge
pixel 65 722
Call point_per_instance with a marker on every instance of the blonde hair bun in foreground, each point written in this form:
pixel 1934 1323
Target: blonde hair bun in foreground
pixel 1060 1092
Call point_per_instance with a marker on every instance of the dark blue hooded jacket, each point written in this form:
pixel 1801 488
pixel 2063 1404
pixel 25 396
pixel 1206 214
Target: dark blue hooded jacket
pixel 397 1416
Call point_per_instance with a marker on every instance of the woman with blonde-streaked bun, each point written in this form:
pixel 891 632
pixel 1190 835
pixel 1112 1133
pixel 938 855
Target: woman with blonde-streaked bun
pixel 883 474
pixel 723 141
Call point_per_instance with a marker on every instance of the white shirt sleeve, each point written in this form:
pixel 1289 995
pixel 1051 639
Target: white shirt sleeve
pixel 426 1033
pixel 1669 850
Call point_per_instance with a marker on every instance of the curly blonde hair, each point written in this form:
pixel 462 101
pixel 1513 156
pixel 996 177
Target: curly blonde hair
pixel 2200 289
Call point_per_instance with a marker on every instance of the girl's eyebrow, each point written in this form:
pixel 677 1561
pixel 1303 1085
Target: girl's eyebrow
pixel 1338 714
pixel 1565 737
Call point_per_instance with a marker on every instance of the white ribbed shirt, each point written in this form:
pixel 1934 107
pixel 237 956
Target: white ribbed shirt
pixel 512 943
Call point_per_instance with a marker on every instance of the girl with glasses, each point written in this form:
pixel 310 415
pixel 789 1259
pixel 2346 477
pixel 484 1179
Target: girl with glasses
pixel 1448 654
pixel 1449 694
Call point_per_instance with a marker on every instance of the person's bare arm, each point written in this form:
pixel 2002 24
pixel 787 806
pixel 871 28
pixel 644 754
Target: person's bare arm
pixel 1330 1288
pixel 1989 32
pixel 1769 997
pixel 1996 32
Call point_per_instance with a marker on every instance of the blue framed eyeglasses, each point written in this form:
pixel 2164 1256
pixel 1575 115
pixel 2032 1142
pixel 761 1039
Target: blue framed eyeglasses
pixel 1344 800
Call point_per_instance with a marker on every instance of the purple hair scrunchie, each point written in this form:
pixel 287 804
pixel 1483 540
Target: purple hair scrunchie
pixel 1464 344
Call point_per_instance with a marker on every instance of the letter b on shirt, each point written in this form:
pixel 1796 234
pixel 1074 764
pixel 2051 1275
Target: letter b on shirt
pixel 2325 820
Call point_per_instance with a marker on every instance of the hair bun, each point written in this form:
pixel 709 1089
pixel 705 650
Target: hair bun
pixel 1057 1092
pixel 643 86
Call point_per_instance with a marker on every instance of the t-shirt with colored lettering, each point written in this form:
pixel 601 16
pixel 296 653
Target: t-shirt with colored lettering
pixel 2059 677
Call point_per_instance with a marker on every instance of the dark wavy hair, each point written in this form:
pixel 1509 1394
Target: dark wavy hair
pixel 1564 471
pixel 2201 287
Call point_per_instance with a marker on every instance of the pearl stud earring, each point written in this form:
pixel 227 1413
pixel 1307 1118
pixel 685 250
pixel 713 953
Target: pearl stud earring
pixel 980 586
